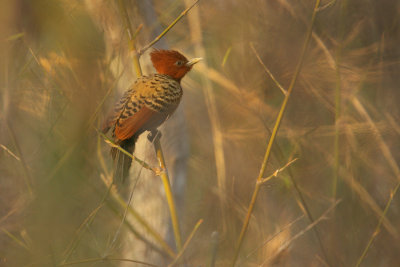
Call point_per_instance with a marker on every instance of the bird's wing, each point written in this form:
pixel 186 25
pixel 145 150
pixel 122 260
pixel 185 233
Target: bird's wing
pixel 114 115
pixel 128 127
pixel 132 112
pixel 149 96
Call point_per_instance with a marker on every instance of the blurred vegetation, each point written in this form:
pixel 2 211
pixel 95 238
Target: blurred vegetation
pixel 341 122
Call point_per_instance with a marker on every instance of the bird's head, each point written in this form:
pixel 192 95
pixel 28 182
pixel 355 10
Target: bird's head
pixel 172 63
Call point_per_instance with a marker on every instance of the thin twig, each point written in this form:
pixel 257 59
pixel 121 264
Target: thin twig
pixel 267 70
pixel 275 235
pixel 221 80
pixel 286 244
pixel 139 28
pixel 225 59
pixel 138 235
pixel 10 152
pixel 125 213
pixel 131 36
pixel 16 240
pixel 196 227
pixel 141 51
pixel 274 133
pixel 275 174
pixel 378 226
pixel 338 100
pixel 392 163
pixel 327 5
pixel 27 175
pixel 72 148
pixel 141 162
pixel 384 147
pixel 79 232
pixel 359 190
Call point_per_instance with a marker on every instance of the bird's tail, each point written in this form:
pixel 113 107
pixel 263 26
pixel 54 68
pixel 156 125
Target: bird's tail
pixel 122 162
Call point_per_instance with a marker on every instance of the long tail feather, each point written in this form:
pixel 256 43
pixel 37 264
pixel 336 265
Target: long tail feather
pixel 122 161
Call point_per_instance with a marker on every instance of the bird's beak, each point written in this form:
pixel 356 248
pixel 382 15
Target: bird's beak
pixel 193 61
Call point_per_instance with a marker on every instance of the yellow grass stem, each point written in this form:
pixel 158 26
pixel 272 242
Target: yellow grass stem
pixel 168 193
pixel 141 162
pixel 221 80
pixel 384 147
pixel 283 229
pixel 273 135
pixel 338 100
pixel 358 188
pixel 157 145
pixel 275 174
pixel 226 56
pixel 80 231
pixel 267 70
pixel 141 51
pixel 27 175
pixel 196 227
pixel 16 240
pixel 287 243
pixel 131 36
pixel 379 225
pixel 136 215
pixel 88 221
pixel 72 148
pixel 392 163
pixel 337 127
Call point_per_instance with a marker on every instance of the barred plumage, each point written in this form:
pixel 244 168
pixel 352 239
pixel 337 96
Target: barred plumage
pixel 147 104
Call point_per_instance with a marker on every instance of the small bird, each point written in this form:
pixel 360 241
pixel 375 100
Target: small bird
pixel 146 105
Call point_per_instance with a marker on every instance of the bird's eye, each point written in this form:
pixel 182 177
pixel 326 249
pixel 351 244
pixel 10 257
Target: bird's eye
pixel 179 63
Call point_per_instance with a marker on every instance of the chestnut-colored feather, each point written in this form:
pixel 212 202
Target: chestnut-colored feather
pixel 133 124
pixel 147 104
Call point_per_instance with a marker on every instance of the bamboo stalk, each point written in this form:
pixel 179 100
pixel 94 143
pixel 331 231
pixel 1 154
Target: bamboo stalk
pixel 168 192
pixel 274 133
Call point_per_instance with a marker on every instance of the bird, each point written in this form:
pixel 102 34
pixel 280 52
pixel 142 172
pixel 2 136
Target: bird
pixel 150 101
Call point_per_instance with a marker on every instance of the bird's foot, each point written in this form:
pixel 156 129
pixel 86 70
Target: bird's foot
pixel 153 135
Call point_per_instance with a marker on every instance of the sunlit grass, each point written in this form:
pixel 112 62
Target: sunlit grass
pixel 330 186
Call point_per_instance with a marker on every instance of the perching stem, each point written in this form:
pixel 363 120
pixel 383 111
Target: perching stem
pixel 157 146
pixel 167 187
